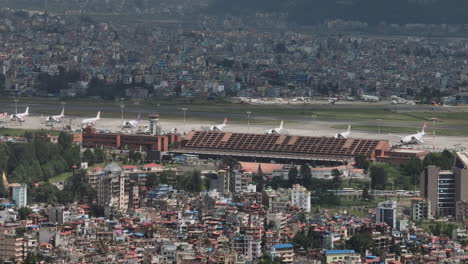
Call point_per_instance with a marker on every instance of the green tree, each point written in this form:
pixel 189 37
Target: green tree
pixel 306 175
pixel 360 242
pixel 300 240
pixel 2 82
pixel 166 175
pixel 71 155
pixel 259 179
pixel 292 175
pixel 197 183
pixel 65 140
pixel 361 162
pixel 100 155
pixel 365 193
pixel 137 157
pixel 24 212
pixel 336 174
pixel 88 156
pixel 229 162
pixel 443 160
pixel 152 180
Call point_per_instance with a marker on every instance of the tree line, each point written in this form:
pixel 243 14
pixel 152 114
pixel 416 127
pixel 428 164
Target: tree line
pixel 38 159
pixel 309 12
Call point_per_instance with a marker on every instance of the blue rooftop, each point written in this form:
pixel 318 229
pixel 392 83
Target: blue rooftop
pixel 283 246
pixel 333 252
pixel 139 234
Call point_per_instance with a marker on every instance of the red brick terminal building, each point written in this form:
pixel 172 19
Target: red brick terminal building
pixel 91 139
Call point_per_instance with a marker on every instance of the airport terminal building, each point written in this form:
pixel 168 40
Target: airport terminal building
pixel 279 148
pixel 161 143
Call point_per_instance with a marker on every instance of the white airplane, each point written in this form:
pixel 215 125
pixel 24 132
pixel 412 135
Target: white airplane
pixel 370 98
pixel 414 138
pixel 276 131
pixel 132 123
pixel 219 127
pixel 91 121
pixel 56 118
pixel 345 134
pixel 20 117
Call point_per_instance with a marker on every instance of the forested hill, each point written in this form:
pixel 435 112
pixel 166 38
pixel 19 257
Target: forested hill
pixel 308 12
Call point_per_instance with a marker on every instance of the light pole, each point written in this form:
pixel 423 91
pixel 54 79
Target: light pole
pixel 122 106
pixel 248 120
pixel 380 120
pixel 434 120
pixel 16 105
pixel 184 109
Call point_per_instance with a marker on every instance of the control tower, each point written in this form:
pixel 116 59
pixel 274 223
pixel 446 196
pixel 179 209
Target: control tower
pixel 154 128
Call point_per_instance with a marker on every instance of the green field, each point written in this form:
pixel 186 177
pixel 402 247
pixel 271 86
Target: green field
pixel 19 132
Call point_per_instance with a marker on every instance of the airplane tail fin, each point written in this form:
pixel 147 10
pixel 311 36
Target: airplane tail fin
pixel 349 128
pixel 424 129
pixel 138 118
pixel 225 121
pixel 281 124
pixel 98 114
pixel 27 110
pixel 63 112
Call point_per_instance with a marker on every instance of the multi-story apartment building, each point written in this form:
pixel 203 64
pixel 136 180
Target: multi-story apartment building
pixel 300 197
pixel 11 246
pixel 420 209
pixel 239 181
pixel 111 188
pixel 248 246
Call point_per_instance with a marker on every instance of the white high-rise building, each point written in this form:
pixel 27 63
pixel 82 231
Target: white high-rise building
pixel 300 197
pixel 19 194
pixel 387 212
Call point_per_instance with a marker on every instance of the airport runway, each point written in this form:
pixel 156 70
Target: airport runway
pixel 213 112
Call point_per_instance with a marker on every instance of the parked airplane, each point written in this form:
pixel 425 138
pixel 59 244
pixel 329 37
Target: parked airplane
pixel 278 131
pixel 132 123
pixel 414 138
pixel 20 117
pixel 56 118
pixel 3 115
pixel 370 98
pixel 91 121
pixel 219 127
pixel 345 134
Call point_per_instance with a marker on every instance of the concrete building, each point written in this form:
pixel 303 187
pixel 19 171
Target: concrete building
pixel 420 209
pixel 19 193
pixel 283 251
pixel 387 213
pixel 341 256
pixel 247 246
pixel 11 247
pixel 438 187
pixel 239 181
pixel 111 188
pixel 444 189
pixel 300 197
pixel 56 214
